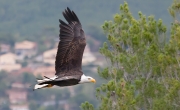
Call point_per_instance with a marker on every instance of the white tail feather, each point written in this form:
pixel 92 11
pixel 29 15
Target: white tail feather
pixel 37 86
pixel 46 79
pixel 40 81
pixel 43 80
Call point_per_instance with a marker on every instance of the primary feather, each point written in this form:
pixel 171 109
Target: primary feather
pixel 71 45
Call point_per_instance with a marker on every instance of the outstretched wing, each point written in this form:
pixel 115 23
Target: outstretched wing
pixel 71 45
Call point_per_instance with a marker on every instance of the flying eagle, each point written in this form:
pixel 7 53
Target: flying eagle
pixel 68 64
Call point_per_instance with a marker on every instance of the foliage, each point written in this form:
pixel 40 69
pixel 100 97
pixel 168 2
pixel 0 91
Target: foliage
pixel 96 33
pixel 4 107
pixel 3 84
pixel 31 20
pixel 143 71
pixel 26 18
pixel 7 38
pixel 28 78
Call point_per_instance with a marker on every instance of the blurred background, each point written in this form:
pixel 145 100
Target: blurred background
pixel 29 32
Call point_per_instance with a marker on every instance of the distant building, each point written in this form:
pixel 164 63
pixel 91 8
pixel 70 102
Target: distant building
pixel 48 71
pixel 8 58
pixel 17 94
pixel 18 97
pixel 4 48
pixel 8 62
pixel 66 107
pixel 49 56
pixel 22 70
pixel 25 49
pixel 88 56
pixel 19 107
pixel 39 58
pixel 10 68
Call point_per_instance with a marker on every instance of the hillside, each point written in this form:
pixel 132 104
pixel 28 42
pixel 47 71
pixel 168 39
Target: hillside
pixel 29 18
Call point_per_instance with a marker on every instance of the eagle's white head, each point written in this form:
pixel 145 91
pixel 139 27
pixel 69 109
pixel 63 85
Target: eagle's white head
pixel 86 79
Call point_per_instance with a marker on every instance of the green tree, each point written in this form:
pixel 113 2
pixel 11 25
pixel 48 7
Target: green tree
pixel 4 107
pixel 28 78
pixel 7 38
pixel 4 83
pixel 144 67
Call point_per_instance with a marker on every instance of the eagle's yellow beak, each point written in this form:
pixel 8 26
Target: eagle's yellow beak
pixel 93 80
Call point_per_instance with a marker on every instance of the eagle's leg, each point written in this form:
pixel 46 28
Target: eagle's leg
pixel 49 86
pixel 39 85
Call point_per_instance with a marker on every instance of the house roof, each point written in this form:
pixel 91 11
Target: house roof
pixel 50 53
pixel 10 67
pixel 88 56
pixel 18 85
pixel 4 47
pixel 23 70
pixel 20 107
pixel 25 45
pixel 8 55
pixel 48 71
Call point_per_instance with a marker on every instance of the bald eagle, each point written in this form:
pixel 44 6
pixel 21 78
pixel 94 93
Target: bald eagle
pixel 68 63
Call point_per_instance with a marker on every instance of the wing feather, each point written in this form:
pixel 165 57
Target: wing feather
pixel 71 45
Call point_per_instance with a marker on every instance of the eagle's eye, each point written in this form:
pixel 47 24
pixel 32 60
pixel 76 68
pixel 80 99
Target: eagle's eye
pixel 89 78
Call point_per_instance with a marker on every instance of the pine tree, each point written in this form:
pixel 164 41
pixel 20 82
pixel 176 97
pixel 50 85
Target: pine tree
pixel 144 63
